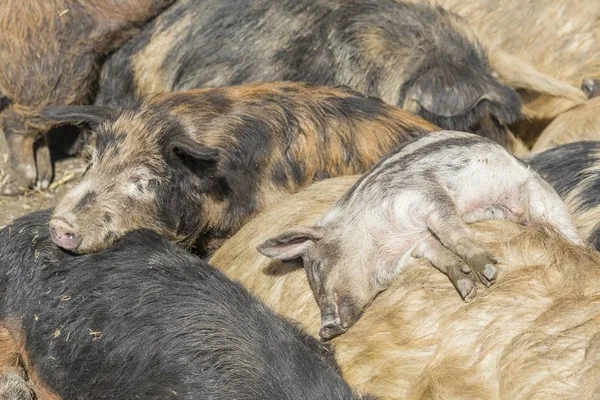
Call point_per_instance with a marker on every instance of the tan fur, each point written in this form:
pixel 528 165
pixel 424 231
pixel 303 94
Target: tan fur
pixel 555 37
pixel 579 123
pixel 532 335
pixel 148 63
pixel 542 48
pixel 545 96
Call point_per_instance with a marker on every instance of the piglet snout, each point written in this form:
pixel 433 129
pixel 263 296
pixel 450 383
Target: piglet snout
pixel 64 234
pixel 331 329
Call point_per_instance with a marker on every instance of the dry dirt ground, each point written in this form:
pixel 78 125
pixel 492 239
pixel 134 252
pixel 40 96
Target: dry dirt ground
pixel 67 172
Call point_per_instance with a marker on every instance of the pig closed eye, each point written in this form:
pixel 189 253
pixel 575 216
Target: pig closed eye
pixel 139 185
pixel 314 276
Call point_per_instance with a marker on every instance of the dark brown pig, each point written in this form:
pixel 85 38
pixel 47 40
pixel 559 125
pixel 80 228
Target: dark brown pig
pixel 50 53
pixel 199 164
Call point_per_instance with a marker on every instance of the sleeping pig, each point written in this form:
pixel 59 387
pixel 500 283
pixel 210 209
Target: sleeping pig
pixel 421 58
pixel 415 204
pixel 197 165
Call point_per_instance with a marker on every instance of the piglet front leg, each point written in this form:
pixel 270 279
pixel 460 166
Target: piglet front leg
pixel 459 273
pixel 445 222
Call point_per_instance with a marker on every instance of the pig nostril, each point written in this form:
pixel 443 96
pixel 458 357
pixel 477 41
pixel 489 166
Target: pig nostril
pixel 64 234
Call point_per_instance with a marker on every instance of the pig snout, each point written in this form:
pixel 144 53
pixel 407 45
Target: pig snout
pixel 337 318
pixel 331 327
pixel 64 234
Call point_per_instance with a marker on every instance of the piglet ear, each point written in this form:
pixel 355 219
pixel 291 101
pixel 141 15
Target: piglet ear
pixel 198 159
pixel 292 243
pixel 92 115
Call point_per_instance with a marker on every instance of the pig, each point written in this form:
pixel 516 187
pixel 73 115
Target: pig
pixel 196 165
pixel 534 334
pixel 147 319
pixel 51 52
pixel 573 169
pixel 416 203
pixel 577 124
pixel 420 58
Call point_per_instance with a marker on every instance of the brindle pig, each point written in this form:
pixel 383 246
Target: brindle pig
pixel 416 203
pixel 415 56
pixel 50 53
pixel 198 164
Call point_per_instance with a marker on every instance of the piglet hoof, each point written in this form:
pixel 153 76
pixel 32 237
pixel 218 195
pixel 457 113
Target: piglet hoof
pixel 467 289
pixel 330 330
pixel 483 265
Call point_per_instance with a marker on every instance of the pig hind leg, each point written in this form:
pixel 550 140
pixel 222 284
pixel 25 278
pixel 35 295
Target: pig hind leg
pixel 43 163
pixel 546 206
pixel 459 273
pixel 446 223
pixel 23 173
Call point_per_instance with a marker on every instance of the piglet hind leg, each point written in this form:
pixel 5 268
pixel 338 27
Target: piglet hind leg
pixel 546 206
pixel 459 273
pixel 445 222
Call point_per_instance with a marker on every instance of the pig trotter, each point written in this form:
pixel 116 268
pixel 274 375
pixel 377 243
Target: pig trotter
pixel 483 265
pixel 43 163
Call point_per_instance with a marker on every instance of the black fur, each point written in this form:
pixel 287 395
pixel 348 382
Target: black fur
pixel 4 101
pixel 573 170
pixel 403 53
pixel 565 167
pixel 145 319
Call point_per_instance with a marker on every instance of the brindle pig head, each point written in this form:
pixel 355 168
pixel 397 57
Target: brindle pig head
pixel 342 287
pixel 144 172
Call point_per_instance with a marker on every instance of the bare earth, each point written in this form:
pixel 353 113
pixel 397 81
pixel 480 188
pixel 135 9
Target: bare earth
pixel 67 173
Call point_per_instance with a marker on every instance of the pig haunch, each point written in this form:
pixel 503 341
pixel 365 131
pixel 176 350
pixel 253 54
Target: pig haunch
pixel 416 203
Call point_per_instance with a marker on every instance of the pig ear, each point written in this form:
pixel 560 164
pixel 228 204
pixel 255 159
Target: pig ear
pixel 199 160
pixel 450 91
pixel 292 243
pixel 92 115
